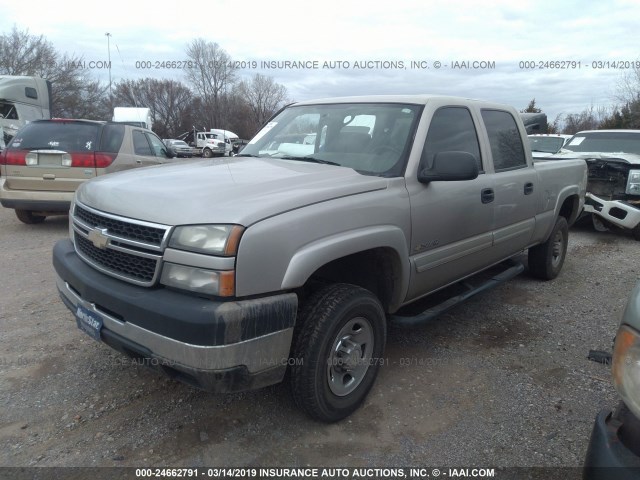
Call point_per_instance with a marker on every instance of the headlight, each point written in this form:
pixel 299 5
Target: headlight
pixel 626 367
pixel 209 239
pixel 633 183
pixel 199 280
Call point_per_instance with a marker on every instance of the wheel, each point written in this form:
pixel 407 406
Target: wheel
pixel 546 259
pixel 207 153
pixel 598 224
pixel 338 350
pixel 635 231
pixel 27 216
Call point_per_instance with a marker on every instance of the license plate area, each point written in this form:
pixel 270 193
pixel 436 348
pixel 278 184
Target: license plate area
pixel 50 160
pixel 89 322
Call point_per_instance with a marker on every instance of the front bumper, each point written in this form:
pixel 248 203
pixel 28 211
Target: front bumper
pixel 616 212
pixel 216 346
pixel 35 200
pixel 610 454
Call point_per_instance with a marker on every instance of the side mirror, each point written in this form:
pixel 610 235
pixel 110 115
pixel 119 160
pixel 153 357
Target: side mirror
pixel 450 166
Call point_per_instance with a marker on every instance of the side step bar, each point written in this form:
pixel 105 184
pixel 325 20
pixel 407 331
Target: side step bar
pixel 472 286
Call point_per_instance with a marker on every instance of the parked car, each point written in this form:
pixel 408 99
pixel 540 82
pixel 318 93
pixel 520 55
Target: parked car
pixel 613 188
pixel 181 149
pixel 615 439
pixel 46 161
pixel 546 144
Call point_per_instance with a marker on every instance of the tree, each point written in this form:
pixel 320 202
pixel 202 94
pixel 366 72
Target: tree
pixel 554 127
pixel 264 96
pixel 74 94
pixel 590 118
pixel 168 100
pixel 531 108
pixel 212 75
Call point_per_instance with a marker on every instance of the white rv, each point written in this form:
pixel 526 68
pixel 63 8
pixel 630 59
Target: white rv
pixel 23 99
pixel 138 117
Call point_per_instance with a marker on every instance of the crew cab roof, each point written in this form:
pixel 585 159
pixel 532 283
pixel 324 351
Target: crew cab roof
pixel 422 99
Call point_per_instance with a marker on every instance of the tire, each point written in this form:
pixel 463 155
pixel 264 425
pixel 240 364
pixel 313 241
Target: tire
pixel 27 216
pixel 207 153
pixel 635 231
pixel 546 259
pixel 337 351
pixel 599 225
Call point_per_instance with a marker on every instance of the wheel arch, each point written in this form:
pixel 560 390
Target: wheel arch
pixel 373 258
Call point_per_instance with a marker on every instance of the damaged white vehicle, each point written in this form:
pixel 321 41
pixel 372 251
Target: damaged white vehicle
pixel 613 188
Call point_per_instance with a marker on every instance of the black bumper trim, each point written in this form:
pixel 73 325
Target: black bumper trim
pixel 182 317
pixel 607 455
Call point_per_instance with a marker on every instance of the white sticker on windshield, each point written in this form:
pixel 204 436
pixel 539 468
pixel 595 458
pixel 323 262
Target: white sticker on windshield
pixel 577 141
pixel 262 132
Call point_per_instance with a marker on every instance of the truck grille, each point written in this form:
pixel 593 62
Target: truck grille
pixel 120 263
pixel 121 228
pixel 124 248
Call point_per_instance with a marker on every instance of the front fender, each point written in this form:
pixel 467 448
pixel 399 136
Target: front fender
pixel 311 257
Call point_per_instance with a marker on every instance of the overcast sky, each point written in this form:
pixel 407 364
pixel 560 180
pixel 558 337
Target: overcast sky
pixel 383 37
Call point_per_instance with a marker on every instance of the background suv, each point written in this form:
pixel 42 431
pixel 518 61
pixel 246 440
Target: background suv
pixel 45 162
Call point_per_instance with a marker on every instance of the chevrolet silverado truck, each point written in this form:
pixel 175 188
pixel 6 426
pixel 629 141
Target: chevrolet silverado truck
pixel 613 187
pixel 228 273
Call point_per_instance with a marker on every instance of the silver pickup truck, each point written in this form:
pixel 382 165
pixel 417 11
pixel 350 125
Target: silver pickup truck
pixel 336 219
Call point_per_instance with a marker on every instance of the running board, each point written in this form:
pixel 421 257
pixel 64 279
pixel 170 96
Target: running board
pixel 471 286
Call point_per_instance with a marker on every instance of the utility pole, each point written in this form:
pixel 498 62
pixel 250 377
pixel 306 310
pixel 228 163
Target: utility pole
pixel 109 54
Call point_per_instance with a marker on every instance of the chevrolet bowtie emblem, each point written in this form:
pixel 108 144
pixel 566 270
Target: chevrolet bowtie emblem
pixel 98 237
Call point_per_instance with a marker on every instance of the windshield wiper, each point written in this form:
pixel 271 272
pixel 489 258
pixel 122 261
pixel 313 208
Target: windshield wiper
pixel 309 159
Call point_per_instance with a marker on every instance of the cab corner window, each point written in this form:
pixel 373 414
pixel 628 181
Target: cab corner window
pixel 504 137
pixel 451 129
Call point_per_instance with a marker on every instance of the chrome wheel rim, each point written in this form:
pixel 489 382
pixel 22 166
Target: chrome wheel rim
pixel 350 356
pixel 557 249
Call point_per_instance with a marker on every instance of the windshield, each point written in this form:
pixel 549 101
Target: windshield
pixel 372 139
pixel 605 142
pixel 546 144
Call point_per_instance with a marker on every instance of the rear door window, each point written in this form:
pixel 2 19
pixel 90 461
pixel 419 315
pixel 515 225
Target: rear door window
pixel 505 140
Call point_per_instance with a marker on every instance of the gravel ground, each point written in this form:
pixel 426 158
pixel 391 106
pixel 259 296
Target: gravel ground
pixel 502 380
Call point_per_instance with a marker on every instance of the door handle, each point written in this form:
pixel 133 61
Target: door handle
pixel 528 188
pixel 487 195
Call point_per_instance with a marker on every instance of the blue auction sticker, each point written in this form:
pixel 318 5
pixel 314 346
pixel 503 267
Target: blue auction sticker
pixel 89 322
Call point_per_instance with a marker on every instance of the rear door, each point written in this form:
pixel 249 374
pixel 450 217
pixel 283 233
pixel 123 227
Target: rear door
pixel 516 184
pixel 52 155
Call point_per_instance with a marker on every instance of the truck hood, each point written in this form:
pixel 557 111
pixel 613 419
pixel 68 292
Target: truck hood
pixel 228 190
pixel 631 158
